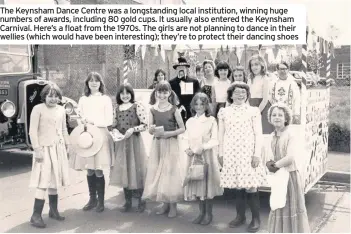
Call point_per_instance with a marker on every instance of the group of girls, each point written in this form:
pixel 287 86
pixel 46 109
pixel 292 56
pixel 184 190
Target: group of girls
pixel 225 130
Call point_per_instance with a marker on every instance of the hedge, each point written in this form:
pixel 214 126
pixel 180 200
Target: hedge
pixel 339 138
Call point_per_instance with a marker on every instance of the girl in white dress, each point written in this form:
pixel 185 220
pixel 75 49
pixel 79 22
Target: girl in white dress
pixel 96 108
pixel 49 139
pixel 240 143
pixel 201 142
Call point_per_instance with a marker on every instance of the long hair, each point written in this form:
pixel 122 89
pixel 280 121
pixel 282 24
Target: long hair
pixel 262 63
pixel 164 86
pixel 96 76
pixel 204 99
pixel 128 87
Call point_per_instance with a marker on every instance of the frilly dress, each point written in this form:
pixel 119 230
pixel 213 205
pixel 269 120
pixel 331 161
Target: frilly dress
pixel 164 176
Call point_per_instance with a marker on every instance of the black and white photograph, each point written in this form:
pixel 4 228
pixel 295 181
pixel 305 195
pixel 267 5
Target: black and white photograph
pixel 184 138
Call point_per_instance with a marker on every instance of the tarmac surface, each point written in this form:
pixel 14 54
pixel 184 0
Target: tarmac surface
pixel 328 207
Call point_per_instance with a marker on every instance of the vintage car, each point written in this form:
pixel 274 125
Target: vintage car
pixel 20 87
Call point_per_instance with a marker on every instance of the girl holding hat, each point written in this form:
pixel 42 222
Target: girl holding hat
pixel 95 109
pixel 129 170
pixel 163 181
pixel 292 218
pixel 49 139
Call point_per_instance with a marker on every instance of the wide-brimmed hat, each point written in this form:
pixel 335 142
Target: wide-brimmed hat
pixel 181 62
pixel 86 140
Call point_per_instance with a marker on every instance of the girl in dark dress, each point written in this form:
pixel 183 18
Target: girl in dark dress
pixel 130 166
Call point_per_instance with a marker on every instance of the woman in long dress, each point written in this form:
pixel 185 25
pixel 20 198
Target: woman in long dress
pixel 201 142
pixel 292 218
pixel 240 143
pixel 49 139
pixel 96 108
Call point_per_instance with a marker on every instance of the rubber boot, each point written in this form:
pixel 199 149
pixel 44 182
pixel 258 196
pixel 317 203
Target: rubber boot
pixel 240 209
pixel 172 210
pixel 202 210
pixel 53 212
pixel 92 193
pixel 36 220
pixel 208 215
pixel 128 197
pixel 100 187
pixel 254 204
pixel 141 203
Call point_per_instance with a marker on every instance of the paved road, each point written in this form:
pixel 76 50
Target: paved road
pixel 328 208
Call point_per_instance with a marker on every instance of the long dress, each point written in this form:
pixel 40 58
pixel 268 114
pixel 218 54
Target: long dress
pixel 293 217
pixel 97 109
pixel 203 131
pixel 48 131
pixel 130 164
pixel 163 181
pixel 242 140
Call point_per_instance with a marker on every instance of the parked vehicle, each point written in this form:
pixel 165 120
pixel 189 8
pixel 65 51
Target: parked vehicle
pixel 20 87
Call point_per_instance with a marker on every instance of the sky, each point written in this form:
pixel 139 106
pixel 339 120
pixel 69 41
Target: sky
pixel 320 13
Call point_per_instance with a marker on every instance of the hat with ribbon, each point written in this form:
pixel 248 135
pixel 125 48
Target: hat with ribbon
pixel 181 61
pixel 86 140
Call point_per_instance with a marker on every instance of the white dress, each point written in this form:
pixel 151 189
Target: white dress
pixel 99 110
pixel 242 140
pixel 52 172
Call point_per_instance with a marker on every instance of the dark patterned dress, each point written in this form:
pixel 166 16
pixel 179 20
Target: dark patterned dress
pixel 130 164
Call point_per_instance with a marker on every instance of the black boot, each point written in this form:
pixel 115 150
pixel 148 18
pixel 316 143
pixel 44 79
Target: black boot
pixel 142 203
pixel 240 209
pixel 92 193
pixel 208 208
pixel 100 187
pixel 36 220
pixel 128 197
pixel 201 216
pixel 53 212
pixel 254 204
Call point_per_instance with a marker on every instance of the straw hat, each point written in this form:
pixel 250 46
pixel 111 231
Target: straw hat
pixel 87 140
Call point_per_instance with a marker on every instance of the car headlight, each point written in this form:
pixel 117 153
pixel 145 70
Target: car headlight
pixel 8 108
pixel 69 108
